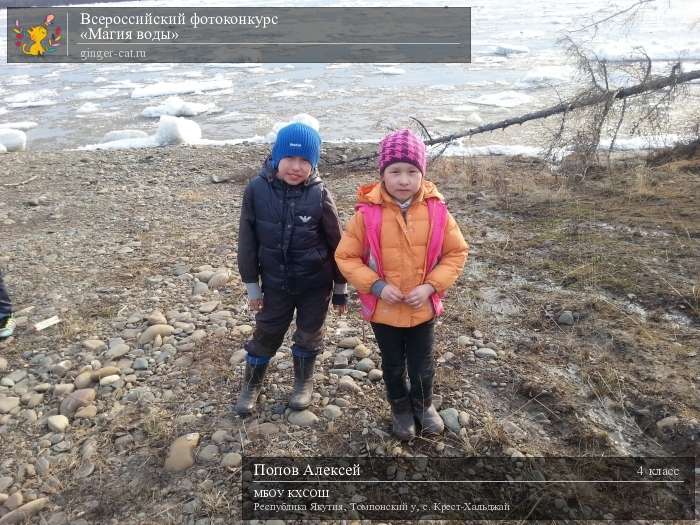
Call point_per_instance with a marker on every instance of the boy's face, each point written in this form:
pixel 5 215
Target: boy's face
pixel 402 180
pixel 294 170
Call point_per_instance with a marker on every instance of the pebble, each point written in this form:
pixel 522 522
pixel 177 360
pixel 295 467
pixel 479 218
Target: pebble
pixel 181 453
pixel 340 361
pixel 63 389
pixel 245 329
pixel 105 371
pixel 108 380
pixel 14 501
pixel 231 460
pixel 463 341
pixel 511 428
pixel 219 279
pixel 451 418
pixel 5 483
pixel 566 318
pixel 154 330
pixel 238 357
pixel 83 380
pixel 365 365
pixel 347 383
pixel 156 317
pixel 464 419
pixel 76 400
pixel 85 470
pixel 667 422
pixel 477 334
pixel 3 364
pixel 349 342
pixel 355 374
pixel 221 436
pixel 486 353
pixel 8 404
pixel 303 418
pixel 94 345
pixel 117 351
pixel 208 453
pixel 375 375
pixel 208 307
pixel 140 363
pixel 264 429
pixel 361 351
pixel 58 423
pixel 87 412
pixel 331 411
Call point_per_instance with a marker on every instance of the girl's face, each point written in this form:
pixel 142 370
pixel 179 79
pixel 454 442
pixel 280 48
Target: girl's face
pixel 402 180
pixel 294 170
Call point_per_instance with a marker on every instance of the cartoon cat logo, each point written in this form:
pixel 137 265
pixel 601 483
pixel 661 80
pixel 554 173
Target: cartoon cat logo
pixel 37 35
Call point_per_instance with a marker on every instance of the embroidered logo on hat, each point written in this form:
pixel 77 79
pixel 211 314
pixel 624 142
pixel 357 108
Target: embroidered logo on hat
pixel 295 145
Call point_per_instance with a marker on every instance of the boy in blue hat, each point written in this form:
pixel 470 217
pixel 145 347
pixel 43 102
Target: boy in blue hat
pixel 289 229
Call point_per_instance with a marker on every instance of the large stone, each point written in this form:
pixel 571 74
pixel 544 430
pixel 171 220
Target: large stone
pixel 262 429
pixel 355 374
pixel 375 375
pixel 347 384
pixel 76 400
pixel 152 331
pixel 58 423
pixel 25 512
pixel 108 380
pixel 8 404
pixel 14 501
pixel 667 422
pixel 303 418
pixel 463 341
pixel 181 453
pixel 88 412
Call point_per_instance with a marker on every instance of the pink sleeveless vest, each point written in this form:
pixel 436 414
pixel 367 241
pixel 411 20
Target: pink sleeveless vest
pixel 372 215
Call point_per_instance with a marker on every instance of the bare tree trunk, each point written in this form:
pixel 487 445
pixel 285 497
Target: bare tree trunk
pixel 583 101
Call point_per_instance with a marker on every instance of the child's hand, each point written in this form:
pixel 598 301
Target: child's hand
pixel 419 295
pixel 255 305
pixel 391 294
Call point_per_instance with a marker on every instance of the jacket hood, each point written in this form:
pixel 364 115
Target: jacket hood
pixel 375 193
pixel 269 173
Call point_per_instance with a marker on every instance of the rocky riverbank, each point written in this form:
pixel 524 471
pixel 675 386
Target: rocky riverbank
pixel 573 331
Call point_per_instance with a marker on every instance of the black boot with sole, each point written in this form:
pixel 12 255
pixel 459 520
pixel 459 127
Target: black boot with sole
pixel 303 382
pixel 250 388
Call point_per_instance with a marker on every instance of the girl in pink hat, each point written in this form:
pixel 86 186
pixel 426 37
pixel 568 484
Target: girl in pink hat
pixel 402 250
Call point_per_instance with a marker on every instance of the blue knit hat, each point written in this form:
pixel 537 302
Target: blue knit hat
pixel 297 140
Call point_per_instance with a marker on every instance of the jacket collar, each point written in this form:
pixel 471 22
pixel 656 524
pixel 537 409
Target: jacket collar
pixel 375 193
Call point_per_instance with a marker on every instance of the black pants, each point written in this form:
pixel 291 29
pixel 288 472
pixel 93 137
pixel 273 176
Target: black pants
pixel 272 322
pixel 5 304
pixel 410 348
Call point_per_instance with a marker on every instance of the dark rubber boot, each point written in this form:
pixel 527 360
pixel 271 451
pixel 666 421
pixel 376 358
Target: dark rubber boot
pixel 250 389
pixel 427 417
pixel 403 424
pixel 303 382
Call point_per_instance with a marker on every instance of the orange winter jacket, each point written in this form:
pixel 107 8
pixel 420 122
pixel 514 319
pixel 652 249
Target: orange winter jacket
pixel 404 244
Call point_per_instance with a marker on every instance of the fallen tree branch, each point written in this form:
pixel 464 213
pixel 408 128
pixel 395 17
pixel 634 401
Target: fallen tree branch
pixel 21 183
pixel 564 107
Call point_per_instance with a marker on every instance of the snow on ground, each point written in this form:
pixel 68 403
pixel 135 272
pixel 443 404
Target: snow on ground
pixel 13 139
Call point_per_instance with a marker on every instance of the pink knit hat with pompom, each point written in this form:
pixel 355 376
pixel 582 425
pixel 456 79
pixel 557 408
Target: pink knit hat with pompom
pixel 402 146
